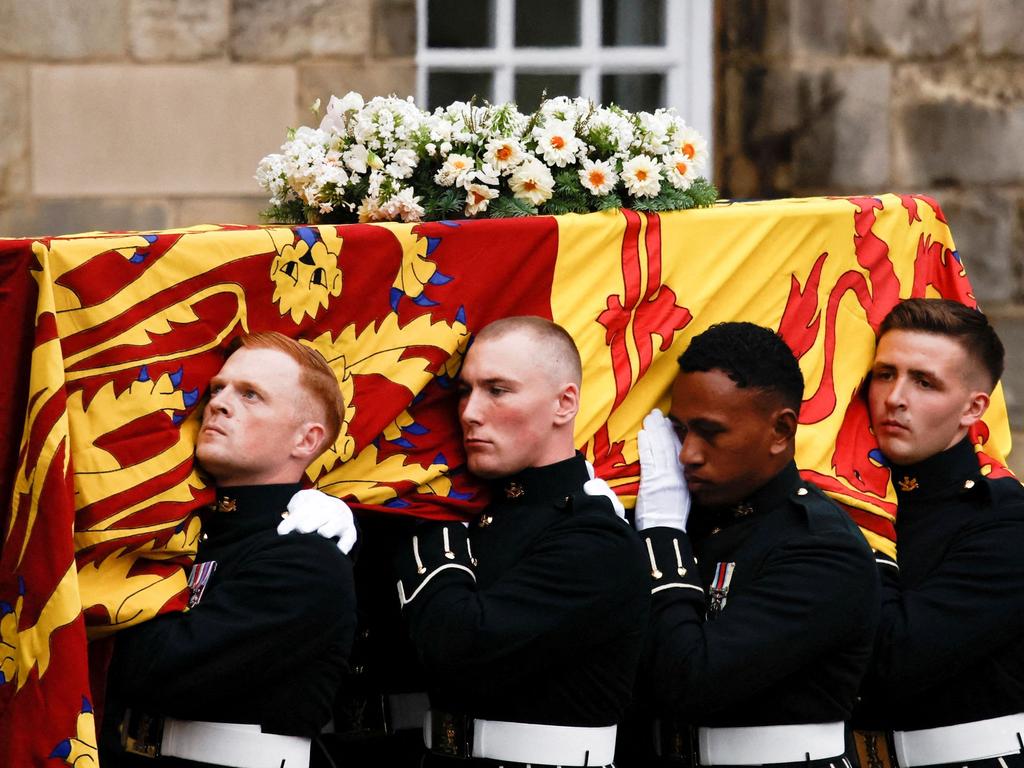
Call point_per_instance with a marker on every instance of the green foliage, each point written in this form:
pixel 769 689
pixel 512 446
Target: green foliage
pixel 507 207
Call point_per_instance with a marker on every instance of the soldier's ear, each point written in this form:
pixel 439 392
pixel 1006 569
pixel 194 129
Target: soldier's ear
pixel 784 423
pixel 568 404
pixel 308 441
pixel 975 408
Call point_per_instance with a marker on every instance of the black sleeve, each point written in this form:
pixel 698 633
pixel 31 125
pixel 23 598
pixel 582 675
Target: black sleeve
pixel 970 606
pixel 284 608
pixel 797 606
pixel 565 582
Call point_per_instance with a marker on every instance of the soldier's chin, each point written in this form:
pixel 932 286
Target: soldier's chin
pixel 483 469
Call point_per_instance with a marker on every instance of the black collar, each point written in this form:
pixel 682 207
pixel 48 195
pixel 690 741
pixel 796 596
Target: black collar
pixel 245 509
pixel 767 497
pixel 937 475
pixel 534 485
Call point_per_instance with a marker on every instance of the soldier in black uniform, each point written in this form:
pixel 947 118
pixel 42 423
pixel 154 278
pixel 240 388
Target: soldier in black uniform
pixel 755 655
pixel 530 622
pixel 247 675
pixel 948 670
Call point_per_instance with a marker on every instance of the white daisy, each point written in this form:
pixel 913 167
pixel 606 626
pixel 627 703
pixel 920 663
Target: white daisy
pixel 680 170
pixel 642 176
pixel 478 197
pixel 503 153
pixel 532 182
pixel 557 143
pixel 454 170
pixel 598 177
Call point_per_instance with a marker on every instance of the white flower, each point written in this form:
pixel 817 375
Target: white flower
pixel 691 144
pixel 369 210
pixel 680 170
pixel 403 205
pixel 355 157
pixel 532 182
pixel 454 170
pixel 557 143
pixel 642 176
pixel 598 177
pixel 338 112
pixel 402 164
pixel 478 197
pixel 503 153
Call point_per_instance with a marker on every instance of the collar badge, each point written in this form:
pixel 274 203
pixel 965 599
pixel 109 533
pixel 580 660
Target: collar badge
pixel 226 504
pixel 908 483
pixel 514 490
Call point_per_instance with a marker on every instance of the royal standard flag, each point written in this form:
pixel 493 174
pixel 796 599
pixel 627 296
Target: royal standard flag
pixel 128 328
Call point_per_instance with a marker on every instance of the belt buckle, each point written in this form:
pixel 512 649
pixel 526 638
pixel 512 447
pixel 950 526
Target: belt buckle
pixel 874 749
pixel 675 742
pixel 451 735
pixel 142 734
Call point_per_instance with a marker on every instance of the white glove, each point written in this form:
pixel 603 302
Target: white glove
pixel 596 486
pixel 312 511
pixel 663 498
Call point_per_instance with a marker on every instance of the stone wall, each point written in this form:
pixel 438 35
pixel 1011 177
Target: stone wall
pixel 146 114
pixel 866 96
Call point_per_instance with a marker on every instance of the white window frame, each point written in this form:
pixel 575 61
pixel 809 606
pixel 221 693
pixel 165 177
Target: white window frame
pixel 686 58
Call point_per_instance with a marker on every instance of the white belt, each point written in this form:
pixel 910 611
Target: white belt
pixel 565 745
pixel 979 740
pixel 758 745
pixel 236 745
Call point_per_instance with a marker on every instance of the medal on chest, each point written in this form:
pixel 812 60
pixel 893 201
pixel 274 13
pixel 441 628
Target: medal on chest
pixel 718 592
pixel 198 579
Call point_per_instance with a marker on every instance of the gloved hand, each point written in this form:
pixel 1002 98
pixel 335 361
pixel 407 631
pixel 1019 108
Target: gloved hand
pixel 596 486
pixel 312 511
pixel 663 498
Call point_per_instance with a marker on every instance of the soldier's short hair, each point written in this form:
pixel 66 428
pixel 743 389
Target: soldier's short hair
pixel 315 375
pixel 564 356
pixel 751 356
pixel 945 317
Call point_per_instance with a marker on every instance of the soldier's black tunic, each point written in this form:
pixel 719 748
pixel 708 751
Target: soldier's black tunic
pixel 269 640
pixel 547 625
pixel 950 645
pixel 793 638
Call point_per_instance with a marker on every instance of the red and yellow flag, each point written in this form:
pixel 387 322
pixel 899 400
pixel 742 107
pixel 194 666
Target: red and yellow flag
pixel 129 327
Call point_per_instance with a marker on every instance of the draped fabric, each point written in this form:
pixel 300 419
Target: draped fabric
pixel 108 370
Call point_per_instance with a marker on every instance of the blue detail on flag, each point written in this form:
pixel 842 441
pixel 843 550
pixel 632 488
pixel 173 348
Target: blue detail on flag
pixel 308 235
pixel 190 397
pixel 395 296
pixel 453 494
pixel 144 373
pixel 450 223
pixel 21 586
pixel 440 459
pixel 62 750
pixel 445 381
pixel 875 454
pixel 397 504
pixel 176 376
pixel 432 243
pixel 460 316
pixel 139 257
pixel 5 608
pixel 956 255
pixel 177 418
pixel 3 679
pixel 402 443
pixel 439 279
pixel 86 706
pixel 423 301
pixel 150 238
pixel 416 429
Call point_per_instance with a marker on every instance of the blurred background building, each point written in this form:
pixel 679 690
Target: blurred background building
pixel 149 114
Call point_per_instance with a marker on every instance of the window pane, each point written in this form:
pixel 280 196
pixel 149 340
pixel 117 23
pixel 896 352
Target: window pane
pixel 548 24
pixel 458 24
pixel 632 22
pixel 634 91
pixel 530 86
pixel 445 87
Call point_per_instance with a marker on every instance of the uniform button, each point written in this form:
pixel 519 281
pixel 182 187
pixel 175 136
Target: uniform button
pixel 485 520
pixel 204 537
pixel 968 484
pixel 801 492
pixel 365 634
pixel 358 669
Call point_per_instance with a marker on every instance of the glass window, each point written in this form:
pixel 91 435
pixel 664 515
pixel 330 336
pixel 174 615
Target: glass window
pixel 530 87
pixel 634 91
pixel 445 87
pixel 547 24
pixel 632 22
pixel 460 24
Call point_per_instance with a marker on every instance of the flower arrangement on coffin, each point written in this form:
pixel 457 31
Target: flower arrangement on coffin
pixel 388 160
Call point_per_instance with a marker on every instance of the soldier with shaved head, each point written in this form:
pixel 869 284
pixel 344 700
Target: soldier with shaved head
pixel 530 621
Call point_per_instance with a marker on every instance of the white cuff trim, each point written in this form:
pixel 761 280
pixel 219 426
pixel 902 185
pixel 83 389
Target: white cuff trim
pixel 404 601
pixel 677 585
